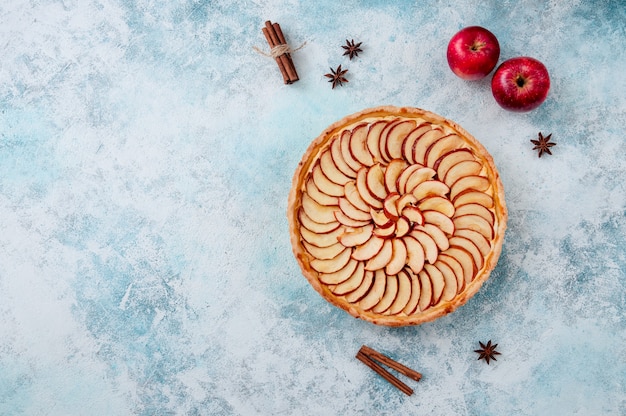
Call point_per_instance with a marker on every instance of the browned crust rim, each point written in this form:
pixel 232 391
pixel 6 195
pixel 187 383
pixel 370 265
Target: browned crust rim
pixel 442 308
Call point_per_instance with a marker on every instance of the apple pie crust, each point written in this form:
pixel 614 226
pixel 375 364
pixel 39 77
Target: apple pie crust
pixel 396 215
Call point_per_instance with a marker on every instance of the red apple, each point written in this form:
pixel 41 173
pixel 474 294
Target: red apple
pixel 473 52
pixel 520 84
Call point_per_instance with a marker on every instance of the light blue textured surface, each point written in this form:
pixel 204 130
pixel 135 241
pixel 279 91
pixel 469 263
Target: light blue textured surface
pixel 146 154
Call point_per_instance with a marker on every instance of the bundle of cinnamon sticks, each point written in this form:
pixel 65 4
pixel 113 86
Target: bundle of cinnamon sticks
pixel 280 51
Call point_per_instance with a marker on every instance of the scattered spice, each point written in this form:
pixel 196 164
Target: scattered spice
pixel 543 144
pixel 372 358
pixel 352 49
pixel 487 352
pixel 337 76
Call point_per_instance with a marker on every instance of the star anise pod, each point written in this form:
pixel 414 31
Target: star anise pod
pixel 337 76
pixel 352 49
pixel 487 352
pixel 543 144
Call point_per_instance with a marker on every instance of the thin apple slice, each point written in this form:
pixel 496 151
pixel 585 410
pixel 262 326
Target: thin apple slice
pixel 398 258
pixel 366 195
pixel 404 293
pixel 414 254
pixel 389 206
pixel 392 172
pixel 465 260
pixel 470 247
pixel 441 239
pixel 449 279
pixel 417 177
pixel 437 282
pixel 343 219
pixel 375 181
pixel 368 249
pixel 334 264
pixel 354 164
pixel 471 196
pixel 457 268
pixel 477 238
pixel 478 183
pixel 352 282
pixel 405 201
pixel 430 188
pixel 324 253
pixel 321 240
pixel 411 305
pixel 365 286
pixel 316 227
pixel 331 171
pixel 440 220
pixel 352 211
pixel 426 291
pixel 403 226
pixel 324 184
pixel 428 244
pixel 382 142
pixel 376 291
pixel 410 140
pixel 386 232
pixel 340 275
pixel 404 177
pixel 358 145
pixel 441 147
pixel 461 170
pixel 423 143
pixel 373 139
pixel 340 162
pixel 445 162
pixel 357 237
pixel 319 197
pixel 380 218
pixel 382 258
pixel 437 203
pixel 413 214
pixel 323 214
pixel 476 223
pixel 391 292
pixel 395 138
pixel 352 194
pixel 476 209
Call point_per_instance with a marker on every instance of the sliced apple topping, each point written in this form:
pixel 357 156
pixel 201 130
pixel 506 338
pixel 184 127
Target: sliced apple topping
pixel 437 203
pixel 375 181
pixel 411 304
pixel 479 183
pixel 417 177
pixel 456 268
pixel 476 223
pixel 403 226
pixel 470 247
pixel 441 239
pixel 428 244
pixel 445 162
pixel 340 162
pixel 477 238
pixel 365 286
pixel 324 253
pixel 405 201
pixel 423 143
pixel 331 171
pixel 382 258
pixel 465 260
pixel 373 139
pixel 440 220
pixel 441 147
pixel 353 212
pixel 334 264
pixel 461 170
pixel 437 282
pixel 408 145
pixel 366 195
pixel 352 194
pixel 354 164
pixel 340 275
pixel 476 209
pixel 343 219
pixel 414 253
pixel 392 173
pixel 471 196
pixel 404 293
pixel 413 214
pixel 319 197
pixel 395 138
pixel 382 141
pixel 321 240
pixel 380 218
pixel 358 145
pixel 324 184
pixel 357 237
pixel 449 279
pixel 368 249
pixel 387 231
pixel 316 227
pixel 398 257
pixel 390 207
pixel 376 292
pixel 391 291
pixel 323 214
pixel 430 188
pixel 351 283
pixel 426 291
pixel 408 174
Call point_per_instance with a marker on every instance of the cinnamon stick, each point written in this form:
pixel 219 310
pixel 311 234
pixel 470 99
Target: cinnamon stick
pixel 274 36
pixel 384 373
pixel 293 75
pixel 281 65
pixel 402 369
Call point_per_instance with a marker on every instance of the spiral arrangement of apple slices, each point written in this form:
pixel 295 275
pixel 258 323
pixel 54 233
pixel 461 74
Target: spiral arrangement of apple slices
pixel 397 216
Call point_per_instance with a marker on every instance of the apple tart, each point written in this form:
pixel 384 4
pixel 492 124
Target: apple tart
pixel 396 215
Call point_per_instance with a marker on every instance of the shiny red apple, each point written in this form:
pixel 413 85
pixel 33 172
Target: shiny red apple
pixel 520 84
pixel 473 52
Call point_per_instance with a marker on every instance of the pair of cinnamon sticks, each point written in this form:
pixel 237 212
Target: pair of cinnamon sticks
pixel 280 51
pixel 372 358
